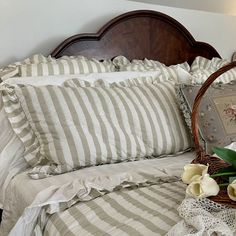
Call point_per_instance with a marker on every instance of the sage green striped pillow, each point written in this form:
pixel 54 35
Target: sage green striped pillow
pixel 66 66
pixel 176 73
pixel 200 76
pixel 103 83
pixel 202 68
pixel 12 70
pixel 202 63
pixel 66 128
pixel 123 64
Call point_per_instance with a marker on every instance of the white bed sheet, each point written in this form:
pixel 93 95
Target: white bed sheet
pixel 110 77
pixel 22 190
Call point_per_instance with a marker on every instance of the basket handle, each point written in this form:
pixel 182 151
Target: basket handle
pixel 198 98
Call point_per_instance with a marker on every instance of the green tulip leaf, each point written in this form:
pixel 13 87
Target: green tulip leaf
pixel 223 185
pixel 228 169
pixel 227 155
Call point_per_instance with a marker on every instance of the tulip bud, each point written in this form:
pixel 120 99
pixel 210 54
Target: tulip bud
pixel 193 171
pixel 203 186
pixel 231 189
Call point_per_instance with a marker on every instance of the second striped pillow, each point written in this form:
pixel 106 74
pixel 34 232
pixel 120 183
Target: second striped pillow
pixel 66 128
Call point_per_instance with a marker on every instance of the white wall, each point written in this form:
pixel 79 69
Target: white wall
pixel 220 6
pixel 30 26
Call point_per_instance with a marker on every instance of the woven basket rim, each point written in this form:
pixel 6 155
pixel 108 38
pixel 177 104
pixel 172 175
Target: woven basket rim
pixel 201 156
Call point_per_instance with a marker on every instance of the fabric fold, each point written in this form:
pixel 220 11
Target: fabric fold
pixel 57 198
pixel 39 199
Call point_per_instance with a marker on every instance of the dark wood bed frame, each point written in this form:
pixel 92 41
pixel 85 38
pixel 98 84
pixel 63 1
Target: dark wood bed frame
pixel 138 35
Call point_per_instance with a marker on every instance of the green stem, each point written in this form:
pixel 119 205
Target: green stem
pixel 223 185
pixel 223 174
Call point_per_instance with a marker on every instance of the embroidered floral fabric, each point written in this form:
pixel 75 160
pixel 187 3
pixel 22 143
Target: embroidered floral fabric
pixel 217 113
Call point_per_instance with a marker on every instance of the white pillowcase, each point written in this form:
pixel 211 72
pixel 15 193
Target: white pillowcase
pixel 110 77
pixel 60 79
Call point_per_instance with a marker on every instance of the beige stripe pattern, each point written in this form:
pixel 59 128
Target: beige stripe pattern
pixel 73 127
pixel 66 66
pixel 123 64
pixel 166 72
pixel 139 81
pixel 202 68
pixel 13 69
pixel 206 64
pixel 144 211
pixel 39 65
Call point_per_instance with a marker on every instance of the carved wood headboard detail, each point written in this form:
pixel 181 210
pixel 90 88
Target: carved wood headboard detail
pixel 138 35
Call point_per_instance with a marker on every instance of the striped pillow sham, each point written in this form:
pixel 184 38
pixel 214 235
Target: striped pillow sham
pixel 124 64
pixel 66 128
pixel 66 66
pixel 178 73
pixel 103 83
pixel 12 70
pixel 202 63
pixel 202 68
pixel 200 76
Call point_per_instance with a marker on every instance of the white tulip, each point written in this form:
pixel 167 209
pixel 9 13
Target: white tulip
pixel 203 186
pixel 231 189
pixel 193 171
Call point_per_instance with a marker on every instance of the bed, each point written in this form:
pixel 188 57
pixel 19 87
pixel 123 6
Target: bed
pixel 151 31
pixel 146 192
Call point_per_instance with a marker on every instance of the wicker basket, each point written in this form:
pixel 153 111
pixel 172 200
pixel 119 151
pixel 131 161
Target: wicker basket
pixel 203 158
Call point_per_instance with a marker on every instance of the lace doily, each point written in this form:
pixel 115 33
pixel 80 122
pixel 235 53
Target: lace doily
pixel 203 217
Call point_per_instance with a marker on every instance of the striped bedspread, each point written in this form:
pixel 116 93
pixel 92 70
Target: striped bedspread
pixel 129 198
pixel 146 211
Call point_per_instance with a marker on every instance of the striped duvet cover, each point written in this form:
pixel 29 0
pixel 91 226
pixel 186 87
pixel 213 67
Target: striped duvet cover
pixel 130 198
pixel 146 211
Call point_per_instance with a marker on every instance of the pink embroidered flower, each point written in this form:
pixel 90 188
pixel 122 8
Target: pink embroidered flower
pixel 230 112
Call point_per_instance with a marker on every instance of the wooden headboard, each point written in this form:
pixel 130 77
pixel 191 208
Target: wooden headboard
pixel 138 35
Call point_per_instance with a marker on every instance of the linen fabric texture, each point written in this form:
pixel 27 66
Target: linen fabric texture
pixel 39 65
pixel 178 72
pixel 12 70
pixel 66 66
pixel 202 68
pixel 66 128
